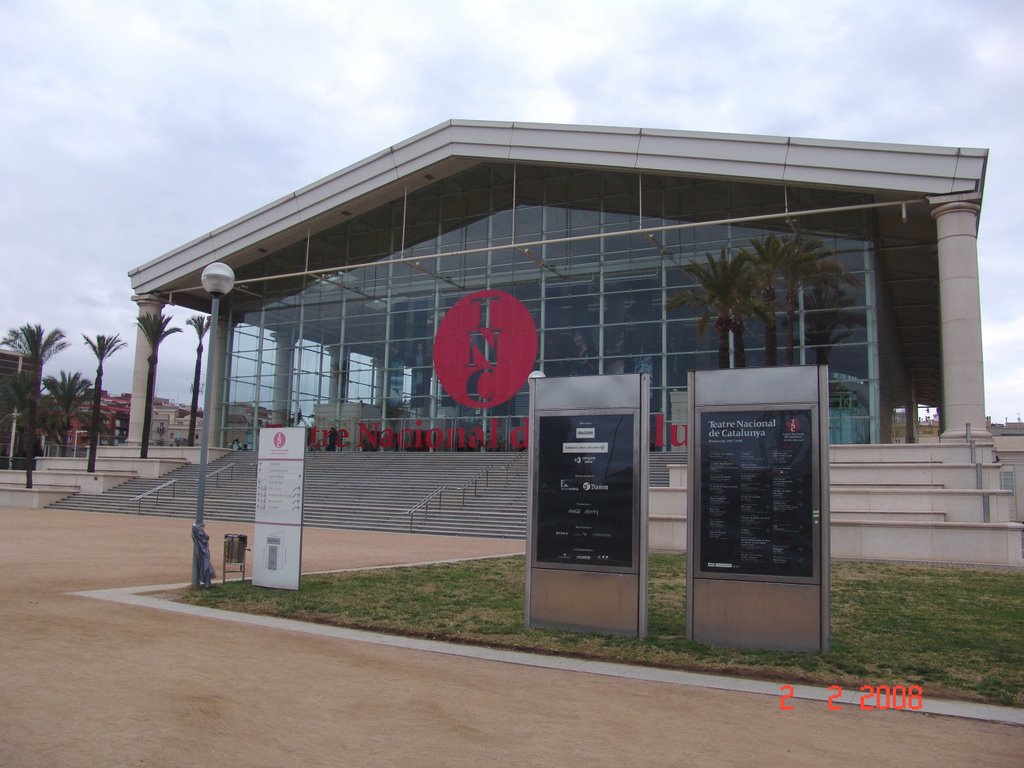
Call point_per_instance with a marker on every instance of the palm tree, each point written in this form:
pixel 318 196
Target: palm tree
pixel 103 347
pixel 37 346
pixel 104 427
pixel 828 322
pixel 14 391
pixel 808 263
pixel 725 293
pixel 200 324
pixel 67 394
pixel 154 328
pixel 798 268
pixel 769 256
pixel 751 306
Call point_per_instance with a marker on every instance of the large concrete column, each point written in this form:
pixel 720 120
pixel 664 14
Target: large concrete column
pixel 148 305
pixel 963 378
pixel 283 374
pixel 219 337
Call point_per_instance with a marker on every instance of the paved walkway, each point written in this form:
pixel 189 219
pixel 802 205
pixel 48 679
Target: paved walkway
pixel 86 682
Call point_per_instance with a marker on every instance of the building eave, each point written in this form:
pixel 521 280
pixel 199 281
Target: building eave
pixel 893 169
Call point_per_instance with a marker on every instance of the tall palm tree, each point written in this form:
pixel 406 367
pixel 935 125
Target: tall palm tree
pixel 103 347
pixel 769 256
pixel 200 324
pixel 797 270
pixel 155 329
pixel 828 321
pixel 14 391
pixel 808 263
pixel 37 346
pixel 724 293
pixel 66 397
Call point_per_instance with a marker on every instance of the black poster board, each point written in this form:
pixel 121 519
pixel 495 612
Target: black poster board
pixel 586 490
pixel 757 501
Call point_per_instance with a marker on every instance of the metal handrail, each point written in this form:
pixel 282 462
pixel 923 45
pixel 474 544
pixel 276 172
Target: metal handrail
pixel 438 493
pixel 486 474
pixel 516 460
pixel 218 471
pixel 424 503
pixel 141 496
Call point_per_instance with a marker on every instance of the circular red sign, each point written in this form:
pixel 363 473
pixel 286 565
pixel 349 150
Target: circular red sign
pixel 485 349
pixel 279 440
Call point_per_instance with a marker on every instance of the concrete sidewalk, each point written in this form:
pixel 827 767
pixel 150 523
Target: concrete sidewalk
pixel 89 682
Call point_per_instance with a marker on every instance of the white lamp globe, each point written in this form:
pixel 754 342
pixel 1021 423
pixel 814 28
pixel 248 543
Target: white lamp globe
pixel 218 279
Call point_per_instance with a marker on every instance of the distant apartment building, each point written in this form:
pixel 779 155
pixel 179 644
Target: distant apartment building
pixel 115 410
pixel 170 420
pixel 170 423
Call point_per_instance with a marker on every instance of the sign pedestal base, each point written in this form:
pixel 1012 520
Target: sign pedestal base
pixel 757 614
pixel 585 601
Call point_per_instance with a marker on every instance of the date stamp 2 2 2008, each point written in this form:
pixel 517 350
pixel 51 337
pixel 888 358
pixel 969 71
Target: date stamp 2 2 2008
pixel 871 697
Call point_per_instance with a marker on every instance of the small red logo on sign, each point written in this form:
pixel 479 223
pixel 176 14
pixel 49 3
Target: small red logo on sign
pixel 279 440
pixel 485 348
pixel 793 425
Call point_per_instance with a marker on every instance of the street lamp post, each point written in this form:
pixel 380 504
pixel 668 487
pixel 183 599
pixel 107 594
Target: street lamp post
pixel 14 435
pixel 218 279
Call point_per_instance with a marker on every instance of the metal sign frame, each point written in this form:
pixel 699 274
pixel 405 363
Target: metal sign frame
pixel 758 509
pixel 277 539
pixel 588 477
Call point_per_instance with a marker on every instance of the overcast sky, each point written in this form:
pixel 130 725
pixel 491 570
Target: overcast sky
pixel 130 128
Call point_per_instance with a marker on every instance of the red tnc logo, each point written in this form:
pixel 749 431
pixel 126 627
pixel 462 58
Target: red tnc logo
pixel 485 348
pixel 279 440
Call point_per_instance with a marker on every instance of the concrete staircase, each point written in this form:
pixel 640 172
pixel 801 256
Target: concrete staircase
pixel 935 481
pixel 926 501
pixel 917 502
pixel 468 494
pixel 230 492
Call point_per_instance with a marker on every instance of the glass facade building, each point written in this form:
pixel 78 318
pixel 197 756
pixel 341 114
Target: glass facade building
pixel 404 301
pixel 592 255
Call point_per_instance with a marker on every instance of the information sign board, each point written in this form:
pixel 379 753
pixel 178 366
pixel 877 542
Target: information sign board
pixel 756 502
pixel 586 540
pixel 758 508
pixel 585 494
pixel 277 540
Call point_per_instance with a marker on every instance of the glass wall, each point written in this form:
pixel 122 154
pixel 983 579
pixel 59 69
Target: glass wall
pixel 591 256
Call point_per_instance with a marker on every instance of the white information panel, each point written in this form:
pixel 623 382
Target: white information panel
pixel 277 545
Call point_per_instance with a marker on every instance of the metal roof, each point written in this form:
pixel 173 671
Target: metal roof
pixel 887 170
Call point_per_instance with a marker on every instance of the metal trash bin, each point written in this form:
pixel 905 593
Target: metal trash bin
pixel 235 545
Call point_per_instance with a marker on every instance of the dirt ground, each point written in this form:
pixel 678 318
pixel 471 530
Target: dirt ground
pixel 91 683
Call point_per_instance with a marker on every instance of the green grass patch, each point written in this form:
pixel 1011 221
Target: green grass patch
pixel 956 632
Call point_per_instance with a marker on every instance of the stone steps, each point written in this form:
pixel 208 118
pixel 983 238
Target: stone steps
pixel 388 491
pixel 359 491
